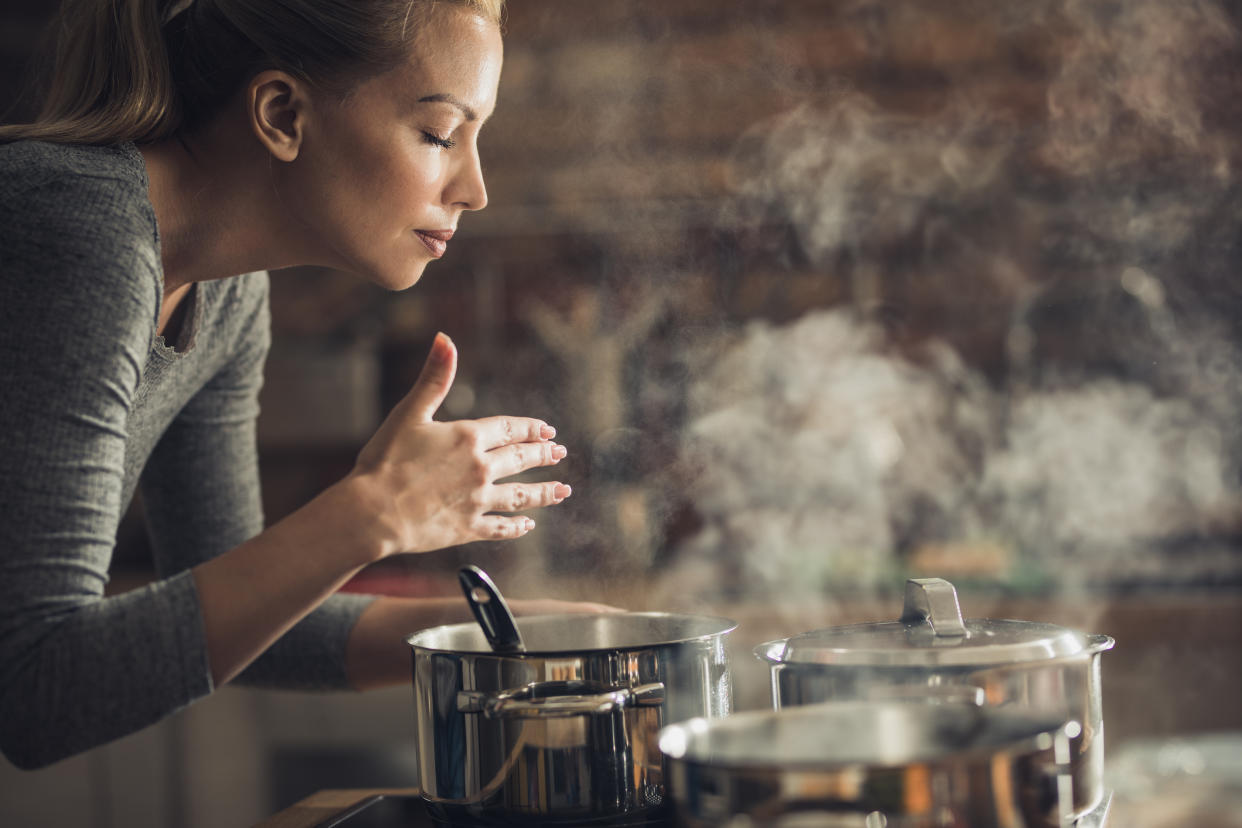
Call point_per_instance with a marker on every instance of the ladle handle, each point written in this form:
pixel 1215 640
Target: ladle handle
pixel 490 610
pixel 933 600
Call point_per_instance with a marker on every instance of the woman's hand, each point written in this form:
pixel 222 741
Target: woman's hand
pixel 418 485
pixel 433 484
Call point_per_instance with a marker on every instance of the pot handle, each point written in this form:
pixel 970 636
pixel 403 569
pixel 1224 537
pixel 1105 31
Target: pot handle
pixel 933 600
pixel 527 703
pixel 1097 643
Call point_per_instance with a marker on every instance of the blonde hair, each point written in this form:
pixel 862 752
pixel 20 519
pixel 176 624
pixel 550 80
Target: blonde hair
pixel 144 70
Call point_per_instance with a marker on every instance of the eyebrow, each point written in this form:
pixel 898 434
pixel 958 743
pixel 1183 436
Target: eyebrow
pixel 443 97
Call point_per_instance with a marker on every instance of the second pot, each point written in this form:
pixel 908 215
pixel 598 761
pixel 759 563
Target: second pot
pixel 932 655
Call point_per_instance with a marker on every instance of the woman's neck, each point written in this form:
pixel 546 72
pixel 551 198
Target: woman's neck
pixel 214 209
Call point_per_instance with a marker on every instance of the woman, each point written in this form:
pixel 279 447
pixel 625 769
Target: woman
pixel 137 218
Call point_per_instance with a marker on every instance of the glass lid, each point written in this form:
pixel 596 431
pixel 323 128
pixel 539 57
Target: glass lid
pixel 930 633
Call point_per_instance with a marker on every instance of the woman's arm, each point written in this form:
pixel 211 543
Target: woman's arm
pixel 78 299
pixel 78 668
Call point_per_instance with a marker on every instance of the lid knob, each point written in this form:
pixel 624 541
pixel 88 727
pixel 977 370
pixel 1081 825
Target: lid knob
pixel 933 600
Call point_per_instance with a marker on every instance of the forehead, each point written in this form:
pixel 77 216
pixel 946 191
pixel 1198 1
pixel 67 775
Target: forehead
pixel 455 54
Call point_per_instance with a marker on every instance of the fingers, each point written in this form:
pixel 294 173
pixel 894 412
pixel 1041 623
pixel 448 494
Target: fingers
pixel 495 432
pixel 502 527
pixel 514 459
pixel 434 381
pixel 517 497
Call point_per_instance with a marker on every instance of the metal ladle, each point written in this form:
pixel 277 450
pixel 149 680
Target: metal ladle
pixel 490 610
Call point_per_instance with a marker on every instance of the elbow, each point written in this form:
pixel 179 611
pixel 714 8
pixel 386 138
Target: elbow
pixel 24 750
pixel 27 736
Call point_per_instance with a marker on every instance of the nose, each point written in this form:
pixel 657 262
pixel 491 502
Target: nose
pixel 466 188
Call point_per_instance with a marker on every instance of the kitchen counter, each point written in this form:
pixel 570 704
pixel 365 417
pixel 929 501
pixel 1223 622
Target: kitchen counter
pixel 320 805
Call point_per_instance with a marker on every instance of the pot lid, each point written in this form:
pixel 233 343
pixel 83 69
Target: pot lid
pixel 931 633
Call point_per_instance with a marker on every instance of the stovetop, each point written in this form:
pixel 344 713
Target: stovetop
pixel 383 811
pixel 399 811
pixel 391 811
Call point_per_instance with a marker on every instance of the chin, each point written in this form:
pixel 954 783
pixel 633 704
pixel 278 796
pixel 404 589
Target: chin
pixel 395 278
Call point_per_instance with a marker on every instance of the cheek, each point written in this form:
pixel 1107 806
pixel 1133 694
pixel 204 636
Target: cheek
pixel 401 189
pixel 417 182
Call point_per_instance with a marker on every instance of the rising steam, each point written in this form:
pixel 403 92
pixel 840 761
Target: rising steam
pixel 1102 443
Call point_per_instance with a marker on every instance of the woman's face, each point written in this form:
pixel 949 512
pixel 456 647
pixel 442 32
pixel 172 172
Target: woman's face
pixel 382 177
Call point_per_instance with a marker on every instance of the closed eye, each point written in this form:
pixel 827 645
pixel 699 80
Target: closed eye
pixel 436 140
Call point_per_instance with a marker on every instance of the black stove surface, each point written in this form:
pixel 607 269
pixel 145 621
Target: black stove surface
pixel 394 811
pixel 384 811
pixel 388 811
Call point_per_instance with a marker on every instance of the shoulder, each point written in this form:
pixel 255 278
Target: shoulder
pixel 86 194
pixel 29 167
pixel 31 162
pixel 78 241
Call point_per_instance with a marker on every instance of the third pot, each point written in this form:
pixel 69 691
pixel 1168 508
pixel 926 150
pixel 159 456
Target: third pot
pixel 867 765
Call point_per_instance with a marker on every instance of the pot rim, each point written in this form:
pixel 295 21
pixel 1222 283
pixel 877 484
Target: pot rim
pixel 722 626
pixel 1049 643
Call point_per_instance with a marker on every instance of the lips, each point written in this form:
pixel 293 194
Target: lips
pixel 435 240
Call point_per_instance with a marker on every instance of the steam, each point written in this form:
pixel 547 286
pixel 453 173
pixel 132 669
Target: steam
pixel 1104 446
pixel 1139 61
pixel 1106 465
pixel 852 174
pixel 824 459
pixel 810 438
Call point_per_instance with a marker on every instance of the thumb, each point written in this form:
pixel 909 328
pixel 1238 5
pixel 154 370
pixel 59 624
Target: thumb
pixel 434 381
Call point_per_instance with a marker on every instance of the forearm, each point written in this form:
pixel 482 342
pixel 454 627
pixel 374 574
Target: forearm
pixel 311 655
pixel 253 594
pixel 377 655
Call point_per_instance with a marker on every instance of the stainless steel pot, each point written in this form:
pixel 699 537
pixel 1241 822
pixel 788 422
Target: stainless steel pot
pixel 566 731
pixel 870 765
pixel 933 655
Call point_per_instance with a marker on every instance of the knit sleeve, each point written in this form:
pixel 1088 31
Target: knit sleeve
pixel 200 489
pixel 78 303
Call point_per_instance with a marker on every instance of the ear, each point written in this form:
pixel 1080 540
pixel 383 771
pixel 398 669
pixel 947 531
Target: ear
pixel 276 102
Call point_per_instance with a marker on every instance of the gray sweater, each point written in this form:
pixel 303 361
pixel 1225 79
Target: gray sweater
pixel 95 405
